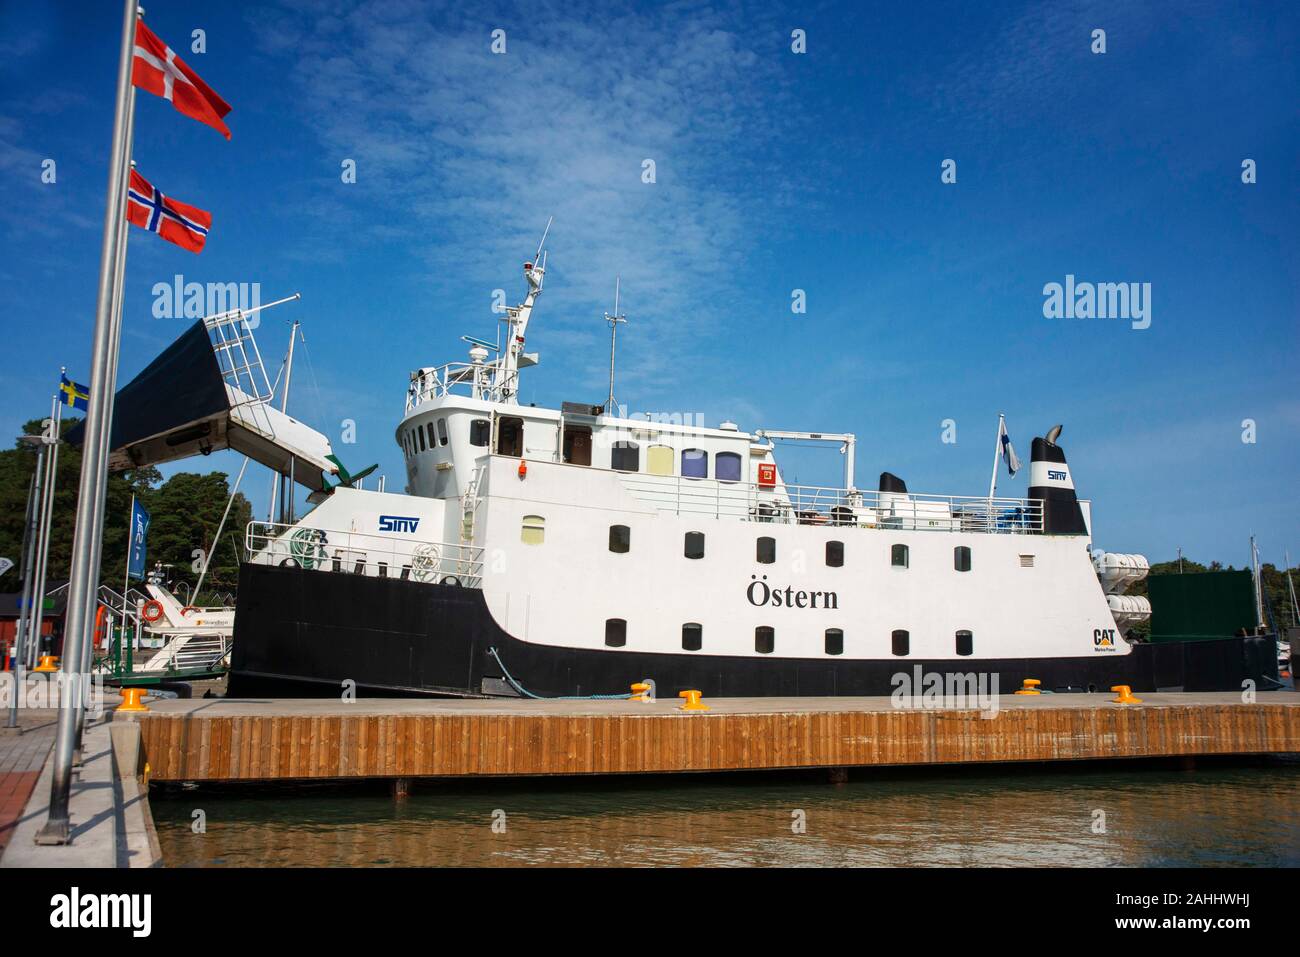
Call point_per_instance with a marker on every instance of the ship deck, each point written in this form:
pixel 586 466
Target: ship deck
pixel 230 739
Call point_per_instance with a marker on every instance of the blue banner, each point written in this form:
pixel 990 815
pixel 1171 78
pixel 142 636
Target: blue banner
pixel 139 535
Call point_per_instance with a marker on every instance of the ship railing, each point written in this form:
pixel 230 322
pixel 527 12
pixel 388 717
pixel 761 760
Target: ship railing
pixel 454 378
pixel 361 553
pixel 816 505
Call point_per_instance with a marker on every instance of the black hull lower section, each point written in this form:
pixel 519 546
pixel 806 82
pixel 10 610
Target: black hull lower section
pixel 304 633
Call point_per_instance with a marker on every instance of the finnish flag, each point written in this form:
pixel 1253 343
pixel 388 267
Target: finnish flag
pixel 1008 452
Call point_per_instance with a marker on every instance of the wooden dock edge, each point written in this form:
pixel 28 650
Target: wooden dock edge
pixel 283 747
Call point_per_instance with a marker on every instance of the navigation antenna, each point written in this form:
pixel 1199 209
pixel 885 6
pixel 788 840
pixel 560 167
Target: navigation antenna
pixel 613 321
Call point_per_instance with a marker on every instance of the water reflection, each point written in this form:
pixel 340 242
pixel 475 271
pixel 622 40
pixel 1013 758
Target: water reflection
pixel 1037 816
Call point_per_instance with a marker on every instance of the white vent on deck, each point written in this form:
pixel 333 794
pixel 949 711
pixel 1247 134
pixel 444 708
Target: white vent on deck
pixel 1026 561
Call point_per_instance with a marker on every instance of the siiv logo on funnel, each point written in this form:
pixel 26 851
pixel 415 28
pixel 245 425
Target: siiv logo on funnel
pixel 398 523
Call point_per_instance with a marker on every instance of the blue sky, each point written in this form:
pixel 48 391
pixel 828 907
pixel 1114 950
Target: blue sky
pixel 775 171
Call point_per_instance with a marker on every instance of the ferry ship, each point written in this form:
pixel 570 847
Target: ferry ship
pixel 572 552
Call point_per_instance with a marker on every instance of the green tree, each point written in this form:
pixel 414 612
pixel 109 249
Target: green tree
pixel 16 468
pixel 184 513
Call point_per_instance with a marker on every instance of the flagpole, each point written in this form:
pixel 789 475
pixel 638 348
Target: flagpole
pixel 88 537
pixel 997 451
pixel 24 631
pixel 19 653
pixel 47 519
pixel 106 442
pixel 130 543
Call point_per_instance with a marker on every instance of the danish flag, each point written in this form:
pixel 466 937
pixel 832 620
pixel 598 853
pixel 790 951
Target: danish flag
pixel 156 69
pixel 176 222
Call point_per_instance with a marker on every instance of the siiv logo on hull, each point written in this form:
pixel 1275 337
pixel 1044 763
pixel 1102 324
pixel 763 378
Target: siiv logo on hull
pixel 398 523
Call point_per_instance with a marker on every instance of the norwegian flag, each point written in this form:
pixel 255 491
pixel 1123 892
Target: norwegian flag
pixel 156 69
pixel 176 222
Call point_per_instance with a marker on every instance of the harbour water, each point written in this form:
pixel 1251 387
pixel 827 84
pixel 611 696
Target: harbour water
pixel 1125 814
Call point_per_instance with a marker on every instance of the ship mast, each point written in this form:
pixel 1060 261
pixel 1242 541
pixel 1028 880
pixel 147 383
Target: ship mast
pixel 505 382
pixel 613 321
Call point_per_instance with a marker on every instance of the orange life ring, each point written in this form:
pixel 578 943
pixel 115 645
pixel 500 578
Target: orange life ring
pixel 100 613
pixel 152 611
pixel 187 609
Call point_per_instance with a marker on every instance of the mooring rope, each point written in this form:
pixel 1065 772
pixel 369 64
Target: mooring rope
pixel 563 697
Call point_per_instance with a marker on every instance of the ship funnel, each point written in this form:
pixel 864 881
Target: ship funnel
pixel 1051 483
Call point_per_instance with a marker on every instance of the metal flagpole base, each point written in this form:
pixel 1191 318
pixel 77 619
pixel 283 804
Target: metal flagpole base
pixel 53 833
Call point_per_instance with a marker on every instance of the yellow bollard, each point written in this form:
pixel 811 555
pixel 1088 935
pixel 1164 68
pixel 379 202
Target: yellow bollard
pixel 1030 686
pixel 1125 695
pixel 48 663
pixel 131 700
pixel 643 691
pixel 692 701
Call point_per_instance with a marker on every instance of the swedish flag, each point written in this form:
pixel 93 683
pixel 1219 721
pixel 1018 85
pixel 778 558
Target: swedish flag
pixel 74 393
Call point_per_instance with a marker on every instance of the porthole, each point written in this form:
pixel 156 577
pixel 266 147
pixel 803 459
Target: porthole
pixel 900 643
pixel 615 632
pixel 834 641
pixel 692 636
pixel 834 554
pixel 620 539
pixel 898 556
pixel 961 558
pixel 765 550
pixel 694 547
pixel 764 639
pixel 965 643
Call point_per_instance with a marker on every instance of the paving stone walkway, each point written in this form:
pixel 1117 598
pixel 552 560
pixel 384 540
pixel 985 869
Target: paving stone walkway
pixel 21 758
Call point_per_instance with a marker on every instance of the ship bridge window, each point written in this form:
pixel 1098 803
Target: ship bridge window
pixel 615 632
pixel 898 556
pixel 577 444
pixel 620 539
pixel 625 457
pixel 765 551
pixel 961 558
pixel 764 639
pixel 533 531
pixel 695 463
pixel 965 643
pixel 834 554
pixel 429 427
pixel 694 545
pixel 480 431
pixel 726 466
pixel 692 636
pixel 510 436
pixel 834 641
pixel 420 434
pixel 442 432
pixel 659 460
pixel 901 641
